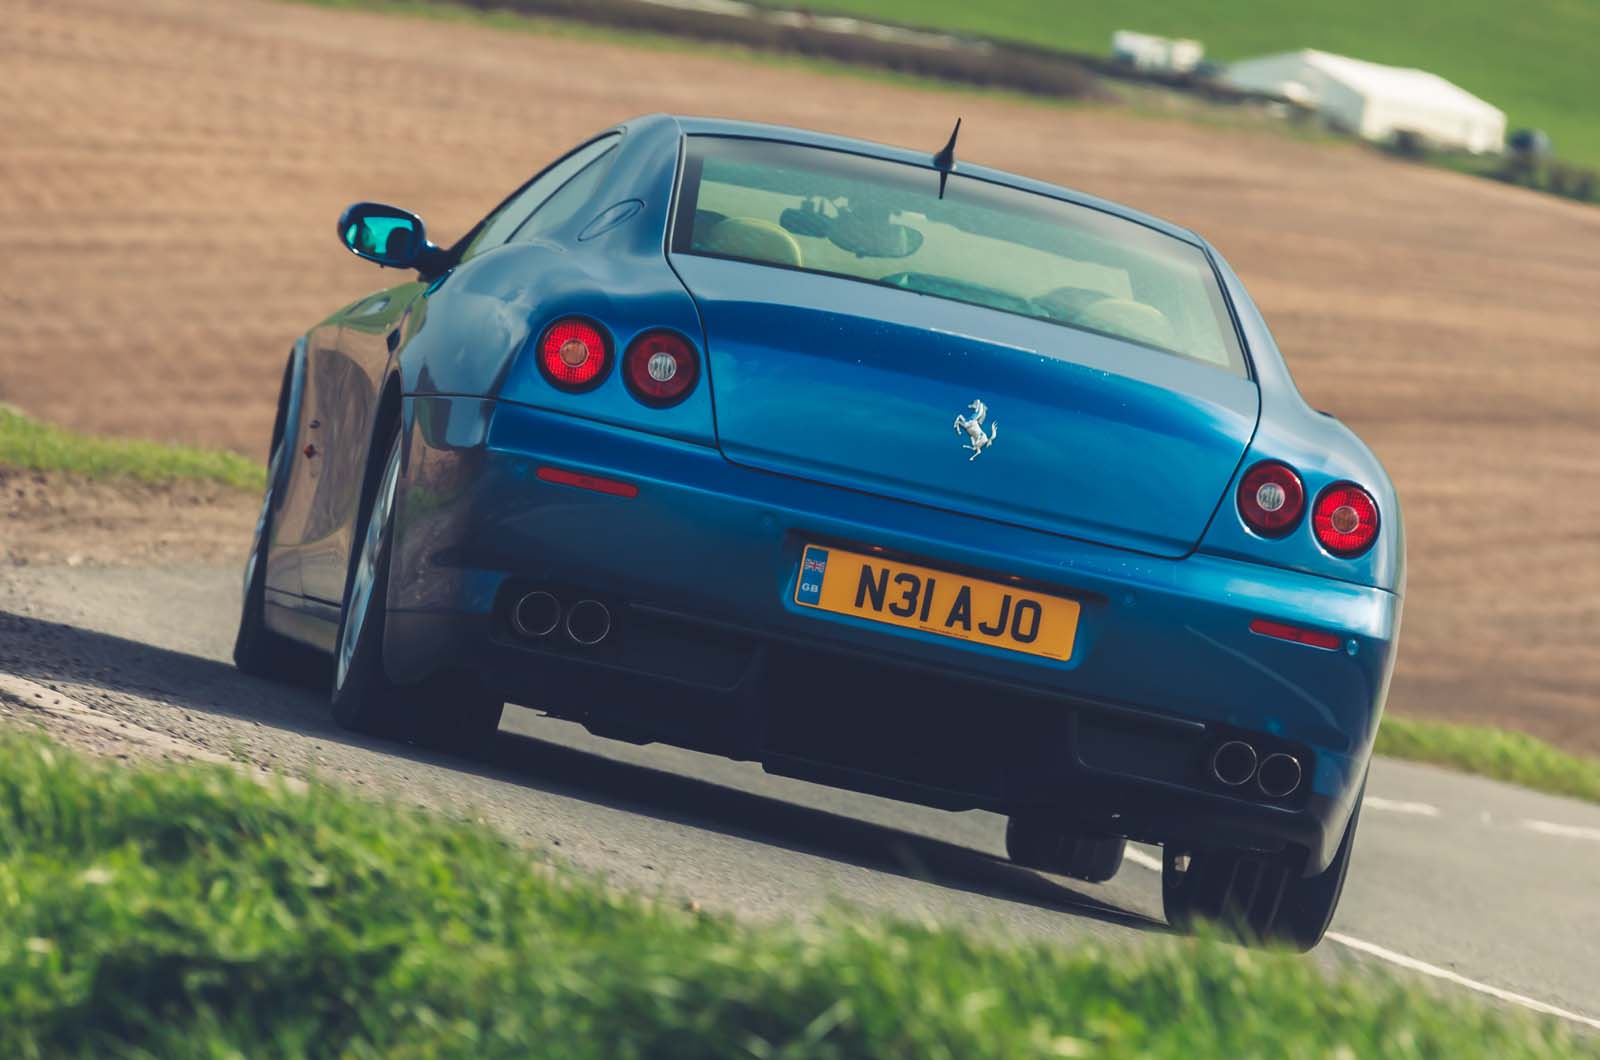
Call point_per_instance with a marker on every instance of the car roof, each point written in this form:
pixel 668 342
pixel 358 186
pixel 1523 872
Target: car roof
pixel 759 130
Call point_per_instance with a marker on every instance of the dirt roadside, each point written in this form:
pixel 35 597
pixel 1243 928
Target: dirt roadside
pixel 70 521
pixel 169 174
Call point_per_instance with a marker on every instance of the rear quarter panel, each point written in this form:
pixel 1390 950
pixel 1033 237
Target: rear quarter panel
pixel 472 333
pixel 1324 451
pixel 343 381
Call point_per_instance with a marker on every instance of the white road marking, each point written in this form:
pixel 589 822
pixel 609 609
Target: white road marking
pixel 1460 980
pixel 1568 831
pixel 1421 809
pixel 1139 857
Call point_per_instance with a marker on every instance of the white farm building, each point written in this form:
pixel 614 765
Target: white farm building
pixel 1151 54
pixel 1375 101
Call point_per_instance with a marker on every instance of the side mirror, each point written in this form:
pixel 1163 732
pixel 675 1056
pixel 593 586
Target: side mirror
pixel 385 234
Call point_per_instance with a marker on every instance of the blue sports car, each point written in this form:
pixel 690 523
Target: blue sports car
pixel 872 466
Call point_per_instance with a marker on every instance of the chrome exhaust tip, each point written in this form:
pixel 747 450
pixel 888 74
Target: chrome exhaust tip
pixel 1234 763
pixel 1279 776
pixel 588 623
pixel 536 614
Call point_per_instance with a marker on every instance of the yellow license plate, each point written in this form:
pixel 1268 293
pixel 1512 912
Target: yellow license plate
pixel 936 601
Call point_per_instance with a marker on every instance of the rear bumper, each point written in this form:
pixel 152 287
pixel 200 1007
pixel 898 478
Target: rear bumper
pixel 710 651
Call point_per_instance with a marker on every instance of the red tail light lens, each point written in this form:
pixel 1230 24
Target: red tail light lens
pixel 1345 519
pixel 574 354
pixel 1297 634
pixel 660 367
pixel 1271 498
pixel 588 482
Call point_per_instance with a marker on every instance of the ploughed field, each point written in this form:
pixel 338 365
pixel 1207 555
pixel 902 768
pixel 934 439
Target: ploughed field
pixel 170 171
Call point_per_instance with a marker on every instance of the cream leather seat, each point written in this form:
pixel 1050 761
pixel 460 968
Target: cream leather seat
pixel 1129 319
pixel 753 239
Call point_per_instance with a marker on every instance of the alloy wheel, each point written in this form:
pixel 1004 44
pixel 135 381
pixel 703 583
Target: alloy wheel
pixel 365 578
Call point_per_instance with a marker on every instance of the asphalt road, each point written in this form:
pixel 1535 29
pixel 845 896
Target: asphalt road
pixel 1474 884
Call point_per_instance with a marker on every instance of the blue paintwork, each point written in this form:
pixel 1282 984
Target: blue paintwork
pixel 1102 439
pixel 825 416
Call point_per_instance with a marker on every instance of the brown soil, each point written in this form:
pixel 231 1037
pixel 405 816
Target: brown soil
pixel 170 171
pixel 62 519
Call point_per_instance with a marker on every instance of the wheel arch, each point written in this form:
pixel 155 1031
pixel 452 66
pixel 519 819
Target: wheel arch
pixel 386 424
pixel 286 419
pixel 280 452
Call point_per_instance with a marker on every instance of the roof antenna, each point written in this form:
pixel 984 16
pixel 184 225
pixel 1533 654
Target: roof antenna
pixel 945 160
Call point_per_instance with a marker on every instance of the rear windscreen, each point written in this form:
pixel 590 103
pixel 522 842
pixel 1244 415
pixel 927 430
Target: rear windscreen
pixel 883 222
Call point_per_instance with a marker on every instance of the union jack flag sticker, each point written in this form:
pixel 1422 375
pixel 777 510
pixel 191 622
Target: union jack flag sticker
pixel 813 565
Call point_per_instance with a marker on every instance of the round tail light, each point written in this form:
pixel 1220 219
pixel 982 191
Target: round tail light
pixel 660 367
pixel 1345 519
pixel 1271 498
pixel 574 354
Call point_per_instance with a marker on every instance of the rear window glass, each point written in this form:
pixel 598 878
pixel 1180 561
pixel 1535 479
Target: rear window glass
pixel 884 223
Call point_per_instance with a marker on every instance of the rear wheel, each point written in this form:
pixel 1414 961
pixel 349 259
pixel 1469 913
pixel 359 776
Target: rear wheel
pixel 1261 898
pixel 1041 844
pixel 257 650
pixel 452 713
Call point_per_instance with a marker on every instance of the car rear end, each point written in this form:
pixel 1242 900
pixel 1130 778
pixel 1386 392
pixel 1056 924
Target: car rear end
pixel 921 519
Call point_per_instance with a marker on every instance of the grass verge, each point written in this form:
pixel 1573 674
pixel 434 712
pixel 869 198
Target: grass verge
pixel 33 446
pixel 177 910
pixel 1499 753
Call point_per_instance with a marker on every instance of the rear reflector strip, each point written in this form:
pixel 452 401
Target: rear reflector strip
pixel 610 486
pixel 1282 631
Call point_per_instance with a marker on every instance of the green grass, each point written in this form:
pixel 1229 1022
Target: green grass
pixel 1535 60
pixel 1499 753
pixel 34 446
pixel 182 911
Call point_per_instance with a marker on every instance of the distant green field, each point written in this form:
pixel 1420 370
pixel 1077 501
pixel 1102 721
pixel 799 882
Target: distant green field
pixel 1537 60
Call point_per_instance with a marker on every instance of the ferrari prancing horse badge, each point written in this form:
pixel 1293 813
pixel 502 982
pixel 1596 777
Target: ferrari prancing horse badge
pixel 972 427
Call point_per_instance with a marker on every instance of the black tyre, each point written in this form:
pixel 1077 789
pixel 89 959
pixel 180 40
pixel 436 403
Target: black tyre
pixel 257 650
pixel 454 712
pixel 457 714
pixel 1261 898
pixel 1039 843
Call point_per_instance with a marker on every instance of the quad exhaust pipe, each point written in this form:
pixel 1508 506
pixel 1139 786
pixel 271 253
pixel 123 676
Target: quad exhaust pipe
pixel 1235 763
pixel 536 614
pixel 539 613
pixel 1278 776
pixel 588 623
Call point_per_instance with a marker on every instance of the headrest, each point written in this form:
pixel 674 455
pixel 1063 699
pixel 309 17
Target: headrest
pixel 1129 319
pixel 753 239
